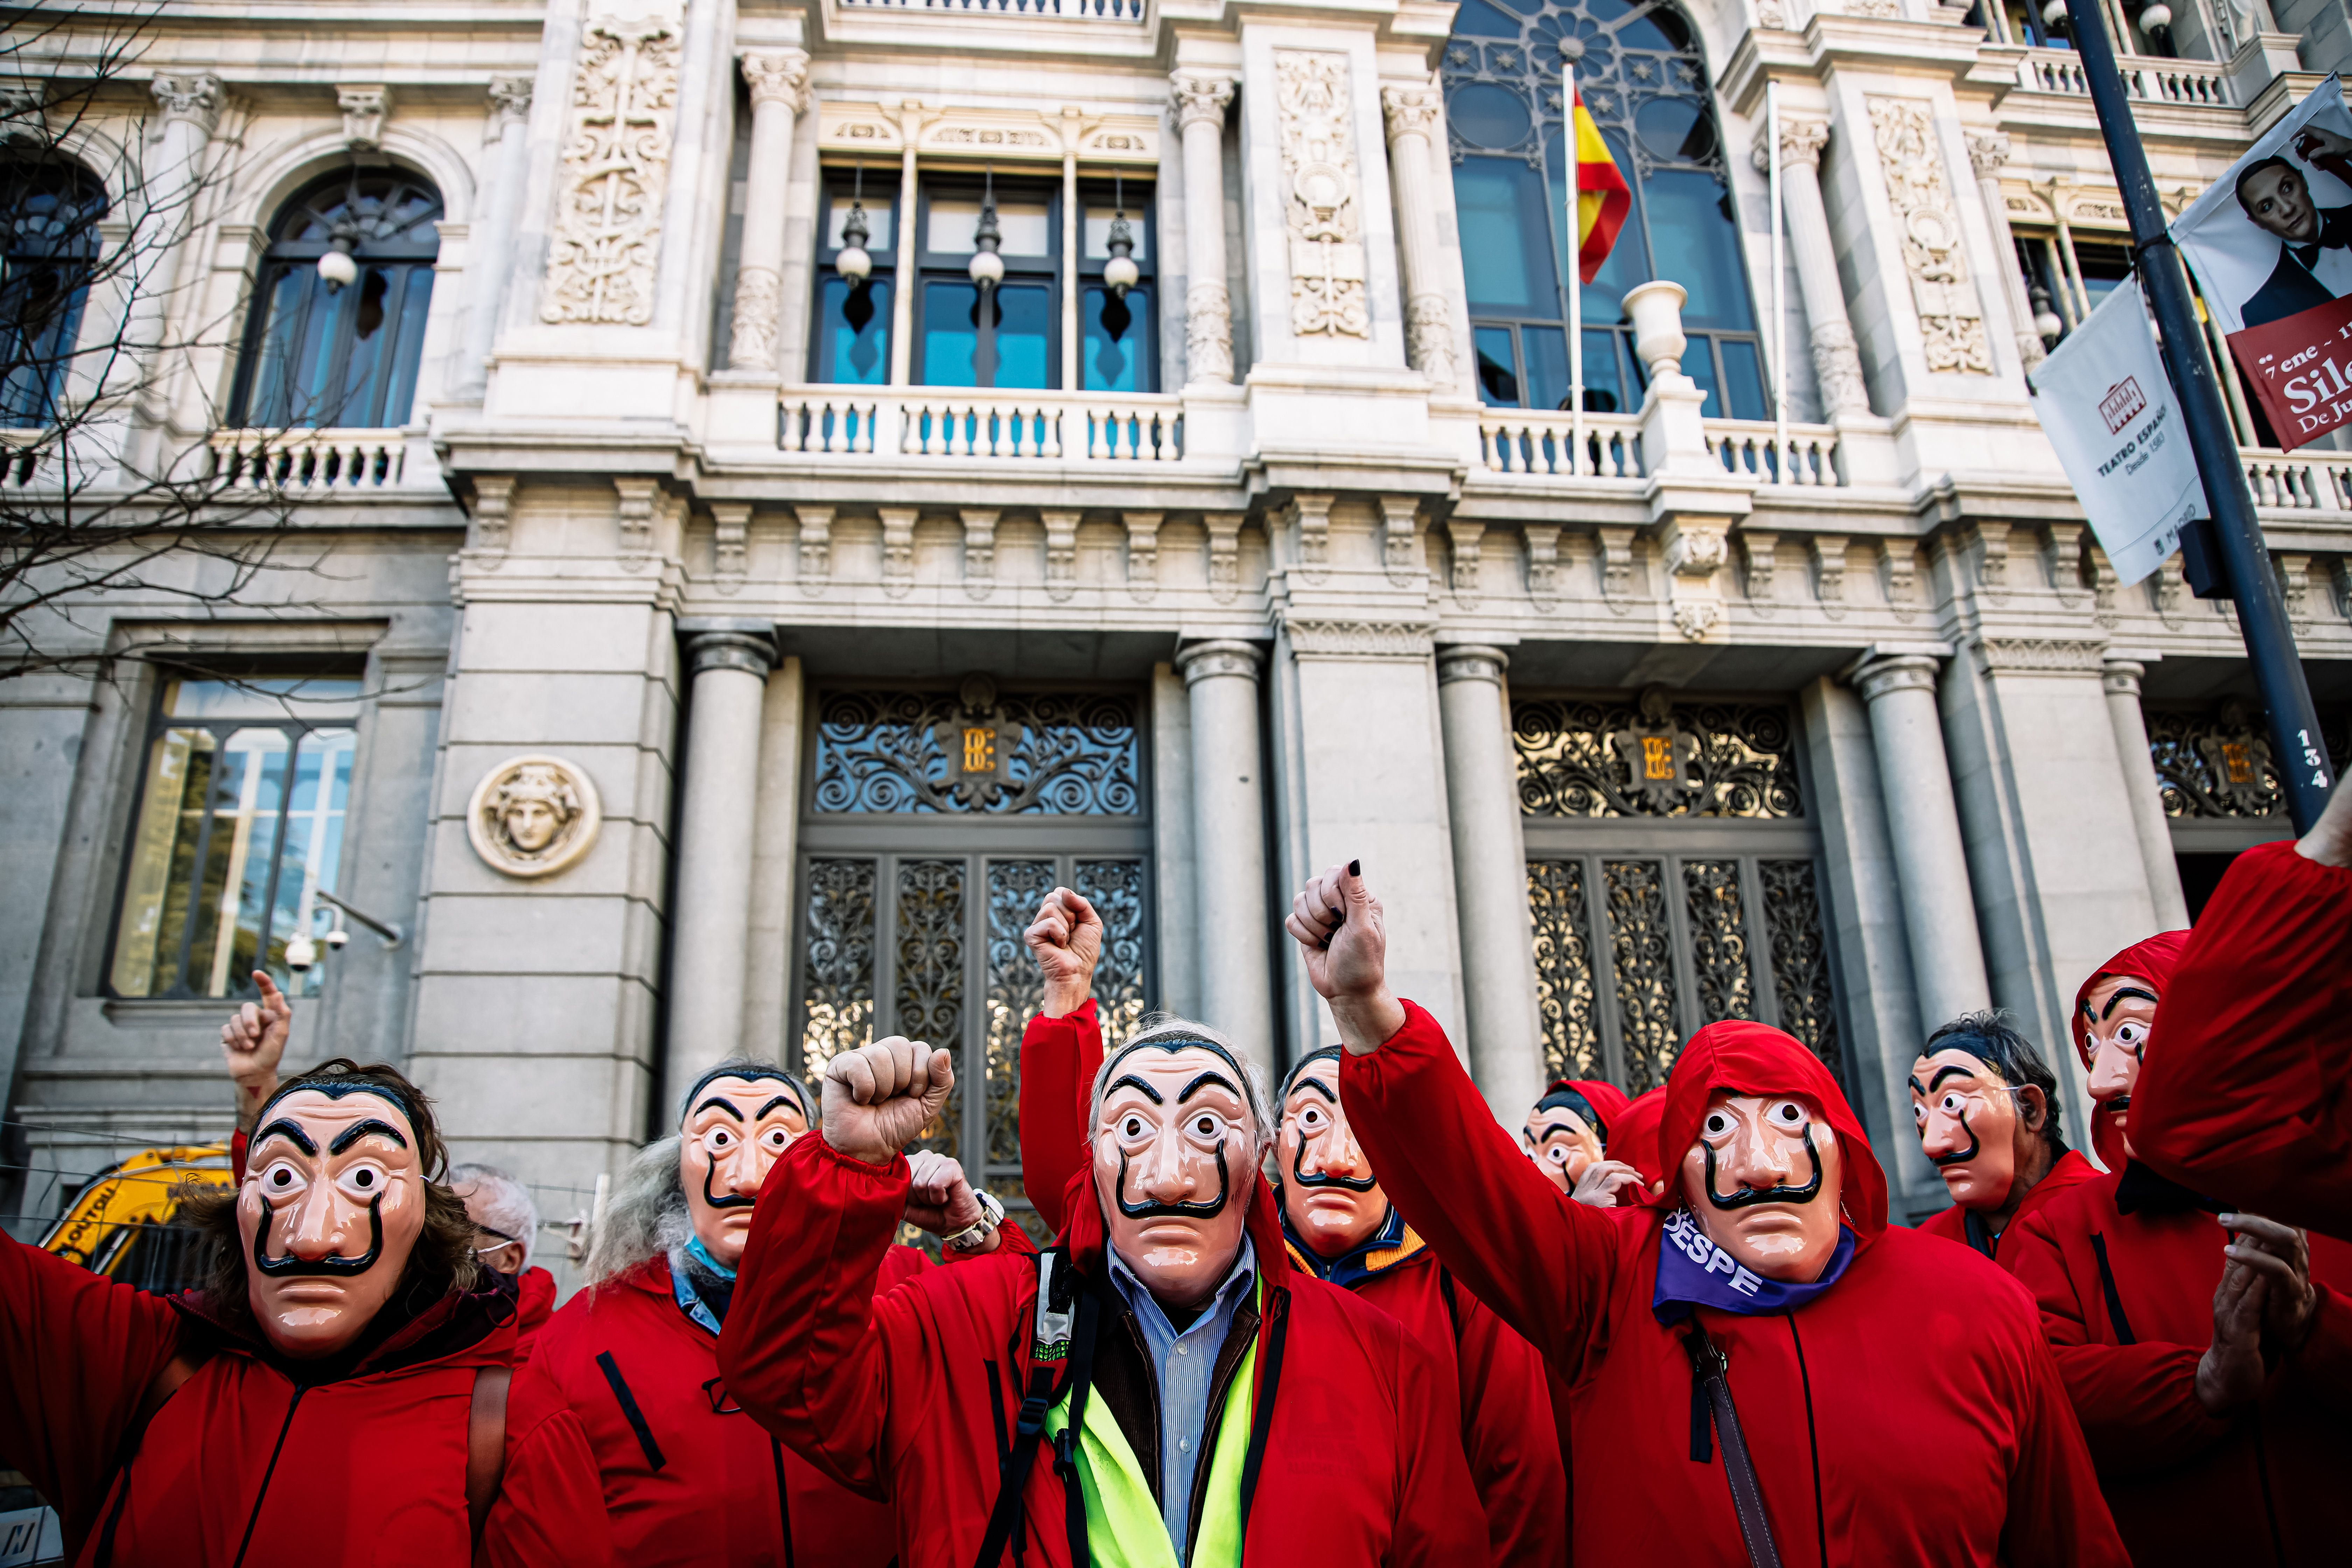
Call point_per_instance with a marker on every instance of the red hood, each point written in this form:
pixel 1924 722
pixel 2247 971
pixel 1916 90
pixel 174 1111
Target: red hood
pixel 537 1300
pixel 1605 1098
pixel 2153 961
pixel 1634 1135
pixel 1752 1058
pixel 474 1328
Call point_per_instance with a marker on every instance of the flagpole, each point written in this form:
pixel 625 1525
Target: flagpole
pixel 1575 269
pixel 1780 286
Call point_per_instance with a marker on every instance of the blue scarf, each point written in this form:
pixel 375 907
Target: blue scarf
pixel 719 1282
pixel 1695 1272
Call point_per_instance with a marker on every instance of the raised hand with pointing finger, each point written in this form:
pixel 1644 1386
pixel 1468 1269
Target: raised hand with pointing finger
pixel 253 1042
pixel 1339 926
pixel 879 1098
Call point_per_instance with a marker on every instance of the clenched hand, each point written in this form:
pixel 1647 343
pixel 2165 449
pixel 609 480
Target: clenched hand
pixel 879 1098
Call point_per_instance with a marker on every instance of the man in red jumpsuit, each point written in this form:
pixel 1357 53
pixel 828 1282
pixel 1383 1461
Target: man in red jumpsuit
pixel 1164 1374
pixel 2209 1356
pixel 1764 1356
pixel 2252 1098
pixel 1568 1131
pixel 689 1478
pixel 1988 1118
pixel 1341 1228
pixel 336 1393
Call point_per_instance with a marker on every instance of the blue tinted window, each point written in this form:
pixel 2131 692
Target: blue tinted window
pixel 853 332
pixel 1690 227
pixel 1117 341
pixel 1498 376
pixel 951 334
pixel 1507 262
pixel 1023 328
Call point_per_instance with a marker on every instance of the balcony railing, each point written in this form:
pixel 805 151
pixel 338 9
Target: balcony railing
pixel 1752 446
pixel 1513 442
pixel 950 422
pixel 2318 483
pixel 2204 83
pixel 319 461
pixel 1083 10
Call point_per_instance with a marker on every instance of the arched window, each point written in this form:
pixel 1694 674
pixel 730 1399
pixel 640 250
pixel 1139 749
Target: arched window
pixel 1646 84
pixel 316 354
pixel 49 211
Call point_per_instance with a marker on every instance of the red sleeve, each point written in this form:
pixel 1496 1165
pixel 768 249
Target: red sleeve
pixel 78 1354
pixel 1059 1058
pixel 837 1372
pixel 2247 1094
pixel 551 1506
pixel 2326 1359
pixel 1437 1517
pixel 2057 1518
pixel 1511 1440
pixel 239 1143
pixel 1545 1263
pixel 2136 1404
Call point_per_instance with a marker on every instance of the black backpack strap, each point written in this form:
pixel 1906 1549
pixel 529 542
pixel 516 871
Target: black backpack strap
pixel 1710 1382
pixel 1453 1307
pixel 1061 1353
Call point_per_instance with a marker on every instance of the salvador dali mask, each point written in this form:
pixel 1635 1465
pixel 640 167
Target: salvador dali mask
pixel 1333 1202
pixel 1562 1143
pixel 734 1130
pixel 1172 1167
pixel 1970 1125
pixel 1764 1180
pixel 2118 1014
pixel 330 1207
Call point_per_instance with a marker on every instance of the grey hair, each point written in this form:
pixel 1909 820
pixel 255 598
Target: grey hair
pixel 507 1204
pixel 1167 1029
pixel 646 1216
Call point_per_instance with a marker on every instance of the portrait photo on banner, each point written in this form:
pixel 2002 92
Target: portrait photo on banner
pixel 2271 243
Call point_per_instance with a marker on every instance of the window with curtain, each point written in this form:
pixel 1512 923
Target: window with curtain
pixel 51 209
pixel 1012 338
pixel 1645 83
pixel 317 354
pixel 240 825
pixel 851 341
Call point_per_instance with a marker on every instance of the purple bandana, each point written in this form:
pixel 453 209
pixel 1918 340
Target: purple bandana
pixel 1695 1272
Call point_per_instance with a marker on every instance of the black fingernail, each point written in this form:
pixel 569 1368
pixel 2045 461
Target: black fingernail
pixel 1355 867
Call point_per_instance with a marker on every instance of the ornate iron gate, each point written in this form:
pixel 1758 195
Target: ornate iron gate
pixel 933 823
pixel 1673 877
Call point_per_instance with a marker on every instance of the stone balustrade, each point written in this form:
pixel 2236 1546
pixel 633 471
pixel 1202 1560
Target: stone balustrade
pixel 2201 83
pixel 312 460
pixel 1751 447
pixel 1083 10
pixel 957 422
pixel 1512 441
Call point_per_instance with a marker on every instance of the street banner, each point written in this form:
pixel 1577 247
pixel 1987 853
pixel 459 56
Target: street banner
pixel 2271 243
pixel 2107 405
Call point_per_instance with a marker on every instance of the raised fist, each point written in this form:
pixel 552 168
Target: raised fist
pixel 938 1196
pixel 253 1042
pixel 1339 926
pixel 879 1098
pixel 1066 937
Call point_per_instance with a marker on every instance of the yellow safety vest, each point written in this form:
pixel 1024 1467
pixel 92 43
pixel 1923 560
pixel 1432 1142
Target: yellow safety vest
pixel 1124 1528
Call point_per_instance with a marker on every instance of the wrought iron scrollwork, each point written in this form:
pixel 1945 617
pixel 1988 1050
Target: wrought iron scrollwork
pixel 929 992
pixel 1565 1001
pixel 1594 758
pixel 837 978
pixel 1641 948
pixel 1719 945
pixel 978 750
pixel 1015 889
pixel 1114 888
pixel 1801 956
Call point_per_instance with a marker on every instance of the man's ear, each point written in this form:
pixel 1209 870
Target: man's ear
pixel 2032 1108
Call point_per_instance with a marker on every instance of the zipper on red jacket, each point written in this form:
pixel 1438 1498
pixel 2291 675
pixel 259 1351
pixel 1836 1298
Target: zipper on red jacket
pixel 1804 1376
pixel 255 1517
pixel 783 1498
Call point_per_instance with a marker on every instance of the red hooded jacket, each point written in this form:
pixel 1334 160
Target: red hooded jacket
pixel 1634 1139
pixel 1509 1436
pixel 1909 1414
pixel 534 1304
pixel 2250 1099
pixel 2068 1172
pixel 240 1463
pixel 2127 1302
pixel 910 1396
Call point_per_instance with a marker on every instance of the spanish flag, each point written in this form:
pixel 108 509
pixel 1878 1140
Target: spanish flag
pixel 1601 196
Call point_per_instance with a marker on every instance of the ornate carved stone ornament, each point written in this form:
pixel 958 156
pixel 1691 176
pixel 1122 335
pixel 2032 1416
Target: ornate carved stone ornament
pixel 196 96
pixel 509 102
pixel 1952 318
pixel 777 76
pixel 616 154
pixel 1203 97
pixel 1038 135
pixel 365 108
pixel 1656 755
pixel 534 816
pixel 1208 330
pixel 1357 640
pixel 1318 165
pixel 977 750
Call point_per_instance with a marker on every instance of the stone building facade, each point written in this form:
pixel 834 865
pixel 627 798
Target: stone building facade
pixel 722 617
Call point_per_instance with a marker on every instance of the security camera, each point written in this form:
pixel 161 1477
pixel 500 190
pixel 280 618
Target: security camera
pixel 301 953
pixel 338 937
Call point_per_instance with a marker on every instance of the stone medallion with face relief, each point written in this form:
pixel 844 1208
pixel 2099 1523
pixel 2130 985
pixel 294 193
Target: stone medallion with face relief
pixel 534 816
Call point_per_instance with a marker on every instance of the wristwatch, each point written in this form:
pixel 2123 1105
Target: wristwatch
pixel 975 1235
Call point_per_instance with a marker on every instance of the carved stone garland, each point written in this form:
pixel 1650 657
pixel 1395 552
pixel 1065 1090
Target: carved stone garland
pixel 1952 318
pixel 616 169
pixel 1318 165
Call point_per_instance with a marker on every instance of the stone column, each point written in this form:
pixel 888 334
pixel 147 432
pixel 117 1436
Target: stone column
pixel 903 279
pixel 490 251
pixel 1413 113
pixel 2121 676
pixel 1837 364
pixel 1939 914
pixel 1220 679
pixel 711 921
pixel 1987 152
pixel 1490 881
pixel 1201 102
pixel 190 106
pixel 779 83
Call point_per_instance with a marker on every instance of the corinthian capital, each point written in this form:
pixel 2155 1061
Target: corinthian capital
pixel 1412 111
pixel 1988 153
pixel 195 97
pixel 1801 142
pixel 777 76
pixel 1200 97
pixel 509 100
